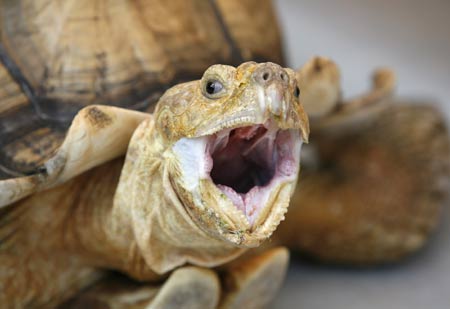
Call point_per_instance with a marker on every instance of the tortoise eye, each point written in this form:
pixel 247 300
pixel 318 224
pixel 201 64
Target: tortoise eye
pixel 297 92
pixel 213 86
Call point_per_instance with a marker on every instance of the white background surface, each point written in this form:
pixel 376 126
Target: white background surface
pixel 413 37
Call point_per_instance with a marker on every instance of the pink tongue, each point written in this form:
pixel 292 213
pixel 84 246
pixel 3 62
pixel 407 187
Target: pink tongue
pixel 236 198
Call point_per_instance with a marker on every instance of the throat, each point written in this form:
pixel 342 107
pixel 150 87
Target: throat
pixel 245 160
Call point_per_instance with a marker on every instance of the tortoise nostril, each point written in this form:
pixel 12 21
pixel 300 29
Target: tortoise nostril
pixel 268 73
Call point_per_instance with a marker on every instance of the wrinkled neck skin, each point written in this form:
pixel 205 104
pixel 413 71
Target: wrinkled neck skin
pixel 148 211
pixel 66 235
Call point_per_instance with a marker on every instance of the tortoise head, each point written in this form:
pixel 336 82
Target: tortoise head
pixel 320 81
pixel 233 144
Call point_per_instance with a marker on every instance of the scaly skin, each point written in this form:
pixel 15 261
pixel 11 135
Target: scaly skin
pixel 159 217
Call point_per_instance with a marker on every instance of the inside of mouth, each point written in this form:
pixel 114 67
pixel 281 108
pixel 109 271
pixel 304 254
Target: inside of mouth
pixel 248 165
pixel 248 162
pixel 243 158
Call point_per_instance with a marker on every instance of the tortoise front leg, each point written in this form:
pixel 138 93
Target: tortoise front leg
pixel 253 282
pixel 249 282
pixel 329 113
pixel 186 287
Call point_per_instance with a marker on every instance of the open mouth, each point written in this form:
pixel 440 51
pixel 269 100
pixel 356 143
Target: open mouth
pixel 248 162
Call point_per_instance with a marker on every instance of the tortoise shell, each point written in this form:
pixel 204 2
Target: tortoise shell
pixel 58 57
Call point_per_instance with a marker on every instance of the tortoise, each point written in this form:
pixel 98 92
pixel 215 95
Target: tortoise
pixel 207 175
pixel 184 194
pixel 375 175
pixel 58 58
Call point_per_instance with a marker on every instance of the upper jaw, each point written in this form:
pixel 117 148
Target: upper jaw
pixel 273 103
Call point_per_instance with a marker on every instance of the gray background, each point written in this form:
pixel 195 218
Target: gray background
pixel 413 37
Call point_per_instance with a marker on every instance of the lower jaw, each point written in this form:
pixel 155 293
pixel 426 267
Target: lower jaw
pixel 268 219
pixel 256 203
pixel 222 220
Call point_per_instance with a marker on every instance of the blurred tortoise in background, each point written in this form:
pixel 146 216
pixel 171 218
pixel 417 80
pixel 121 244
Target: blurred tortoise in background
pixel 374 177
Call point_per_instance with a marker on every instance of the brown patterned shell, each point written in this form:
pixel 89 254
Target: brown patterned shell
pixel 59 56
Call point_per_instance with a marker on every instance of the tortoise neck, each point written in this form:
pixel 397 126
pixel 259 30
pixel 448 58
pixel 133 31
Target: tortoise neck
pixel 87 227
pixel 164 236
pixel 128 216
pixel 117 224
